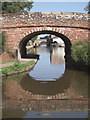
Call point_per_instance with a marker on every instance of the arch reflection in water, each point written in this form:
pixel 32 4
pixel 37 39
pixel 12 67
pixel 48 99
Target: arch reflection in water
pixel 50 88
pixel 74 81
pixel 51 64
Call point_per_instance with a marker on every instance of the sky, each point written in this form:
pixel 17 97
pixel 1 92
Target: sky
pixel 59 7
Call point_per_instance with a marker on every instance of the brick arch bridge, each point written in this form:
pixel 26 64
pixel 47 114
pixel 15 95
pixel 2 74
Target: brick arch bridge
pixel 20 28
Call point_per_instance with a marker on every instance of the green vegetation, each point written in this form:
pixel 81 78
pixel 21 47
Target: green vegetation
pixel 80 52
pixel 28 44
pixel 16 67
pixel 16 6
pixel 3 47
pixel 87 8
pixel 2 41
pixel 34 38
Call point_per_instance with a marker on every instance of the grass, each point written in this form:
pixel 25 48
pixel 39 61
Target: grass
pixel 16 67
pixel 8 61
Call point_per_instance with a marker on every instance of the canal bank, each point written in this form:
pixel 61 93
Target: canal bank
pixel 16 67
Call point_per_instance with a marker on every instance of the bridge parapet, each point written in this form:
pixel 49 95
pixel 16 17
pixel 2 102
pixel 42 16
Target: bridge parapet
pixel 21 27
pixel 69 19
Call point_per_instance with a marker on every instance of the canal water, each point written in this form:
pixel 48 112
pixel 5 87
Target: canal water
pixel 51 64
pixel 48 90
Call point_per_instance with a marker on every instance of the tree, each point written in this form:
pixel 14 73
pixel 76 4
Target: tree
pixel 34 38
pixel 16 7
pixel 87 8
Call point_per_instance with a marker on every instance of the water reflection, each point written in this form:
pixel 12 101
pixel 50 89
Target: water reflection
pixel 79 83
pixel 50 88
pixel 75 81
pixel 57 55
pixel 72 84
pixel 51 64
pixel 21 94
pixel 49 79
pixel 12 113
pixel 33 51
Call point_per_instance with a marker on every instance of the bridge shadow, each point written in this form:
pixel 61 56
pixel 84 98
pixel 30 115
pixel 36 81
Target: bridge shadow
pixel 31 56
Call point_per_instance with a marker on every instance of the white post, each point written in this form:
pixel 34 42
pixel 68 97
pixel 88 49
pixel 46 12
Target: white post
pixel 19 55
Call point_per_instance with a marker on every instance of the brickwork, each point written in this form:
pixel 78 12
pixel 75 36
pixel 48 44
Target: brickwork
pixel 23 94
pixel 45 18
pixel 74 26
pixel 16 35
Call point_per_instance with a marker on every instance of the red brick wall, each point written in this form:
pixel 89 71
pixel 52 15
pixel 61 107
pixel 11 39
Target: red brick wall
pixel 15 35
pixel 17 26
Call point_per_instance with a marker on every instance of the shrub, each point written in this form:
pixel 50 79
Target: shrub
pixel 2 41
pixel 80 52
pixel 16 66
pixel 6 71
pixel 28 44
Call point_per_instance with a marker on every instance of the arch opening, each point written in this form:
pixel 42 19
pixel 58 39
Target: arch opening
pixel 24 41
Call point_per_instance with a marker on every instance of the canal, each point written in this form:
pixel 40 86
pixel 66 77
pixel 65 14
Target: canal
pixel 49 90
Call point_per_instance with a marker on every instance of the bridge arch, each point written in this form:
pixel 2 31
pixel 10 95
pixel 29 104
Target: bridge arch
pixel 19 27
pixel 49 30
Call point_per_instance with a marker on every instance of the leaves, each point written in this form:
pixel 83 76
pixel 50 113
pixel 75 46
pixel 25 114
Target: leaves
pixel 34 38
pixel 80 52
pixel 87 8
pixel 2 41
pixel 16 7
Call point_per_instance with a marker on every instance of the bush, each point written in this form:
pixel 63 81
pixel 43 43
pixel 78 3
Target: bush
pixel 2 41
pixel 80 52
pixel 28 44
pixel 3 48
pixel 6 71
pixel 16 66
